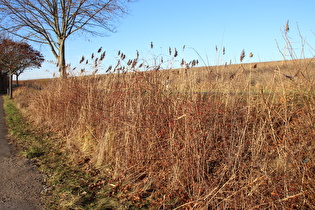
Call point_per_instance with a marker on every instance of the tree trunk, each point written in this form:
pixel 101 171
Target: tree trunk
pixel 62 59
pixel 10 85
pixel 17 79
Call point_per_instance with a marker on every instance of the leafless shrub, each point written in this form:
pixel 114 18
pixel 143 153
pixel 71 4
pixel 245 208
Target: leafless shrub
pixel 178 147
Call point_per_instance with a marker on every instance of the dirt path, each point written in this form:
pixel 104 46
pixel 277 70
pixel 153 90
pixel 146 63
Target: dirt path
pixel 20 182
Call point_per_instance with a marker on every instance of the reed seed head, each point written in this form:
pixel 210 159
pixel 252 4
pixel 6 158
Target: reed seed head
pixel 183 62
pixel 95 62
pixel 82 59
pixel 287 26
pixel 103 55
pixel 242 55
pixel 176 53
pixel 194 63
pixel 134 63
pixel 109 68
pixel 95 71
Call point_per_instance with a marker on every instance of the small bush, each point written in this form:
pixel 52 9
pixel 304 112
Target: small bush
pixel 233 136
pixel 237 147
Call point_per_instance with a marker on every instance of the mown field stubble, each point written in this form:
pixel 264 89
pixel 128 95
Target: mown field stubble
pixel 233 136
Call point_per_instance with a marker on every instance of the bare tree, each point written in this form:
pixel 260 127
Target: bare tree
pixel 51 22
pixel 18 73
pixel 15 57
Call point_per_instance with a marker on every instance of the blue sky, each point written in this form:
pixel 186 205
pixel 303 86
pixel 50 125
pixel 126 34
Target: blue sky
pixel 254 26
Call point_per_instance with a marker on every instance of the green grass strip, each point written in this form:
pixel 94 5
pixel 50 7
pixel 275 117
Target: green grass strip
pixel 70 184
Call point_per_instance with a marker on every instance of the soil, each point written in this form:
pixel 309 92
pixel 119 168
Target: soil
pixel 20 182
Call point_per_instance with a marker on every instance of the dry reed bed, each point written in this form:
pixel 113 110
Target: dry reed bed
pixel 173 148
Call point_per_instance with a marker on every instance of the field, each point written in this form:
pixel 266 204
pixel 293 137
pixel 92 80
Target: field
pixel 231 136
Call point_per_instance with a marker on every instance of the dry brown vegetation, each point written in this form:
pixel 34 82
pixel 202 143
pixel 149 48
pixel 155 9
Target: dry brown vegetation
pixel 235 136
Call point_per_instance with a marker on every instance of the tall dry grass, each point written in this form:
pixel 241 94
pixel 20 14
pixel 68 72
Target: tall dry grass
pixel 235 137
